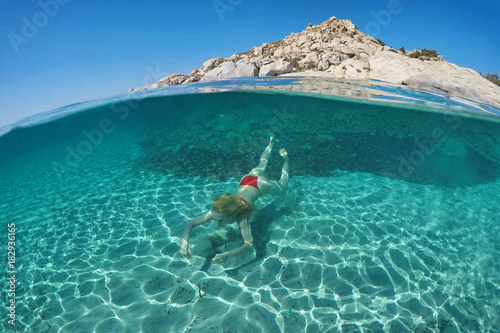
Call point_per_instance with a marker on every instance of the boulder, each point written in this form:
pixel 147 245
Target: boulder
pixel 276 68
pixel 310 57
pixel 211 64
pixel 424 82
pixel 172 80
pixel 302 40
pixel 280 52
pixel 263 62
pixel 393 67
pixel 229 69
pixel 244 68
pixel 433 83
pixel 347 51
pixel 352 69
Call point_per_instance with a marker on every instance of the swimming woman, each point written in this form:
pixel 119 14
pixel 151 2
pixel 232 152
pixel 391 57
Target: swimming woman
pixel 231 208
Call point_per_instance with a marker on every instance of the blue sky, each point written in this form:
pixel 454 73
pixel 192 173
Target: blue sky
pixel 58 52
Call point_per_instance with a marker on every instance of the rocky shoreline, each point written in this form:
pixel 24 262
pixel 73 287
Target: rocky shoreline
pixel 337 48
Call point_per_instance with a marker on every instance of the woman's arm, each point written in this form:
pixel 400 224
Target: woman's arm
pixel 185 251
pixel 246 233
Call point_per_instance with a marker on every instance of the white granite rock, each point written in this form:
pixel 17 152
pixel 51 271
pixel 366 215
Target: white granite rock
pixel 275 68
pixel 430 82
pixel 391 67
pixel 352 69
pixel 338 47
pixel 229 69
pixel 211 64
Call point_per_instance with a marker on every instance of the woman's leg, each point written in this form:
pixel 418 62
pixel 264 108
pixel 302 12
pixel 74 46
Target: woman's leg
pixel 272 186
pixel 264 158
pixel 284 170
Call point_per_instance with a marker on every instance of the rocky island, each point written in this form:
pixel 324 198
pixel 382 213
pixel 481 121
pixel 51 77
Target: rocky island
pixel 337 48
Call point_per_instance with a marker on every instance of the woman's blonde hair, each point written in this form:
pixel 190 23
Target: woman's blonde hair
pixel 231 205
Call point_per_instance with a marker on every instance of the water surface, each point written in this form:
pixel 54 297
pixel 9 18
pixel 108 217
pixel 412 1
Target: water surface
pixel 390 223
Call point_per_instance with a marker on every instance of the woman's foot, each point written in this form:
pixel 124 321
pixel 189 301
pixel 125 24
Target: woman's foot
pixel 284 154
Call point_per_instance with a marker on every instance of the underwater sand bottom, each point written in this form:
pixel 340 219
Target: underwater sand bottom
pixel 354 252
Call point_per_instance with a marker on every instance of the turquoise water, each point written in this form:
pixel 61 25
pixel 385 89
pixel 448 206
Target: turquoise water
pixel 390 222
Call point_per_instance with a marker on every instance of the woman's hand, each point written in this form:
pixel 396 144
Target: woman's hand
pixel 185 251
pixel 220 258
